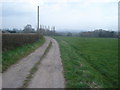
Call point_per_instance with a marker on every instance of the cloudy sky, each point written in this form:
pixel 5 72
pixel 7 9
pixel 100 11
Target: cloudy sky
pixel 66 15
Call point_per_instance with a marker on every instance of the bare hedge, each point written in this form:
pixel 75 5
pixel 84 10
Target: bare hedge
pixel 10 41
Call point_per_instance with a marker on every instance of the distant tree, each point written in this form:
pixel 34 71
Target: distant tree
pixel 15 29
pixel 12 31
pixel 28 29
pixel 53 28
pixel 69 34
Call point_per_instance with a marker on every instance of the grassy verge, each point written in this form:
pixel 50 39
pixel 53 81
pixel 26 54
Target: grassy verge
pixel 89 62
pixel 35 68
pixel 12 56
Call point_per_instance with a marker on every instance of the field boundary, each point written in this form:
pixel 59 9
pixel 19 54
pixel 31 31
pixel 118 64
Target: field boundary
pixel 11 41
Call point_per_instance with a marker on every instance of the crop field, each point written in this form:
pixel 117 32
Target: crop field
pixel 89 62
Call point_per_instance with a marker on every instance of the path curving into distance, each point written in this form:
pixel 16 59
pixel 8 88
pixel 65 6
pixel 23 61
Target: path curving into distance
pixel 48 75
pixel 50 72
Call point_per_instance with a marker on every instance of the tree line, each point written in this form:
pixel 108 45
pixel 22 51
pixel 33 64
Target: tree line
pixel 51 31
pixel 95 33
pixel 99 33
pixel 44 30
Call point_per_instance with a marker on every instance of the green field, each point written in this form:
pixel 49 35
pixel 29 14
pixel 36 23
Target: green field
pixel 10 57
pixel 89 62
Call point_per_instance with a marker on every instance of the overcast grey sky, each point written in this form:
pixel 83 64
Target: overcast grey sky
pixel 63 14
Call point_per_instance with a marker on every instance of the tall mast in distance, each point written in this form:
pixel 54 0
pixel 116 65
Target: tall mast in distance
pixel 38 18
